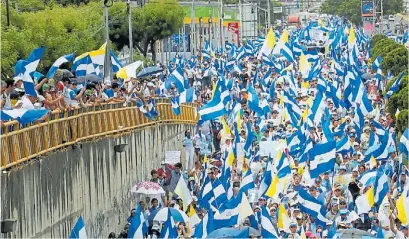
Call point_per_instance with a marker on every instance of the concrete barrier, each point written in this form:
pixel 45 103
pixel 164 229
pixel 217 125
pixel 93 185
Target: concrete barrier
pixel 46 196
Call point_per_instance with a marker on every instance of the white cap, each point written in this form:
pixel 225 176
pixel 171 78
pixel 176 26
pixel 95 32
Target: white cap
pixel 150 84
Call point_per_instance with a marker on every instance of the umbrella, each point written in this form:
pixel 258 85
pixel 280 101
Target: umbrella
pixel 352 233
pixel 368 76
pixel 148 188
pixel 161 215
pixel 252 231
pixel 67 73
pixel 149 71
pixel 88 78
pixel 229 232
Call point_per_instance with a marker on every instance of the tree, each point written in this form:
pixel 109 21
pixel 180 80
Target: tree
pixel 377 38
pixel 351 9
pixel 391 7
pixel 396 60
pixel 155 21
pixel 399 100
pixel 383 47
pixel 62 30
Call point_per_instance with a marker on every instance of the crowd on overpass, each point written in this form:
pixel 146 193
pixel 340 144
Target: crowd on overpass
pixel 291 142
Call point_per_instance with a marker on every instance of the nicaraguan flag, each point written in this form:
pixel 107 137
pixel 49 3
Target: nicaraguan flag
pixel 23 116
pixel 205 227
pixel 377 63
pixel 116 64
pixel 283 166
pixel 267 228
pixel 381 187
pixel 311 206
pixel 311 55
pixel 143 110
pixel 169 229
pixel 317 109
pixel 178 79
pixel 287 52
pixel 247 182
pixel 152 107
pixel 138 227
pixel 83 66
pixel 217 106
pixel 344 145
pixel 404 143
pixel 58 63
pixel 395 86
pixel 322 158
pixel 368 178
pixel 79 229
pixel 29 65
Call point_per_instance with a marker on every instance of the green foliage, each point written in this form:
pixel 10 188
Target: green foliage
pixel 402 121
pixel 155 21
pixel 351 9
pixel 396 60
pixel 377 38
pixel 61 30
pixel 399 100
pixel 392 7
pixel 383 47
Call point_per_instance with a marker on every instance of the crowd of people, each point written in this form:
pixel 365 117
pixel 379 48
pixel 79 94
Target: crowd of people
pixel 310 150
pixel 337 193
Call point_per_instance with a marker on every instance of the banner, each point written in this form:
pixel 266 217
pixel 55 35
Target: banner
pixel 367 8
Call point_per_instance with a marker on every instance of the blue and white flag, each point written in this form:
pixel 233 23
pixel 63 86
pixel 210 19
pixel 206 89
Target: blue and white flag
pixel 29 66
pixel 377 63
pixel 247 182
pixel 23 116
pixel 219 193
pixel 205 227
pixel 287 52
pixel 368 178
pixel 311 206
pixel 217 106
pixel 169 229
pixel 143 110
pixel 58 63
pixel 311 55
pixel 322 158
pixel 116 64
pixel 344 145
pixel 395 86
pixel 138 227
pixel 267 228
pixel 152 107
pixel 381 187
pixel 177 78
pixel 79 229
pixel 404 143
pixel 83 66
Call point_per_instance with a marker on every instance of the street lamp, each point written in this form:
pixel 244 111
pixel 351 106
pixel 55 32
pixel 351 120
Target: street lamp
pixel 210 27
pixel 201 34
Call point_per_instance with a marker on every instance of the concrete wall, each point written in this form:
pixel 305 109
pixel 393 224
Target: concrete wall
pixel 47 196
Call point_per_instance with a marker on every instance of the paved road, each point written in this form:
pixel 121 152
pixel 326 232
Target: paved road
pixel 397 26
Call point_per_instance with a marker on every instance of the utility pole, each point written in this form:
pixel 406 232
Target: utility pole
pixel 107 61
pixel 268 14
pixel 8 13
pixel 184 40
pixel 273 12
pixel 241 23
pixel 130 32
pixel 192 29
pixel 221 25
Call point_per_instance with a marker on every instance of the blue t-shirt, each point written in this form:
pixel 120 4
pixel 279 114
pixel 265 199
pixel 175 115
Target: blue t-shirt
pixel 109 92
pixel 72 94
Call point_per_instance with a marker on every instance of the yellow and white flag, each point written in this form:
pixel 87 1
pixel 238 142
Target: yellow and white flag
pixel 268 44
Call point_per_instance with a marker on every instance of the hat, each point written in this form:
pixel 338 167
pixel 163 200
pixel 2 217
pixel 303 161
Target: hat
pixel 356 144
pixel 342 167
pixel 150 84
pixel 313 187
pixel 108 83
pixel 299 216
pixel 194 198
pixel 17 79
pixel 292 223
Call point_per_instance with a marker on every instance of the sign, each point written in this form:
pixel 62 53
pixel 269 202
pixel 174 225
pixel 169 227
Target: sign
pixel 233 27
pixel 278 9
pixel 367 8
pixel 372 91
pixel 269 148
pixel 172 157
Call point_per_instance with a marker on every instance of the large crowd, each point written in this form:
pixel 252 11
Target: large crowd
pixel 320 150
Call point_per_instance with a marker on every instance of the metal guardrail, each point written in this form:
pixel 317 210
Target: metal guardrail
pixel 21 143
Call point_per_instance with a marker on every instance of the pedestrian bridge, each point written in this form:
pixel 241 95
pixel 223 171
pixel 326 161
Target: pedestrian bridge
pixel 83 162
